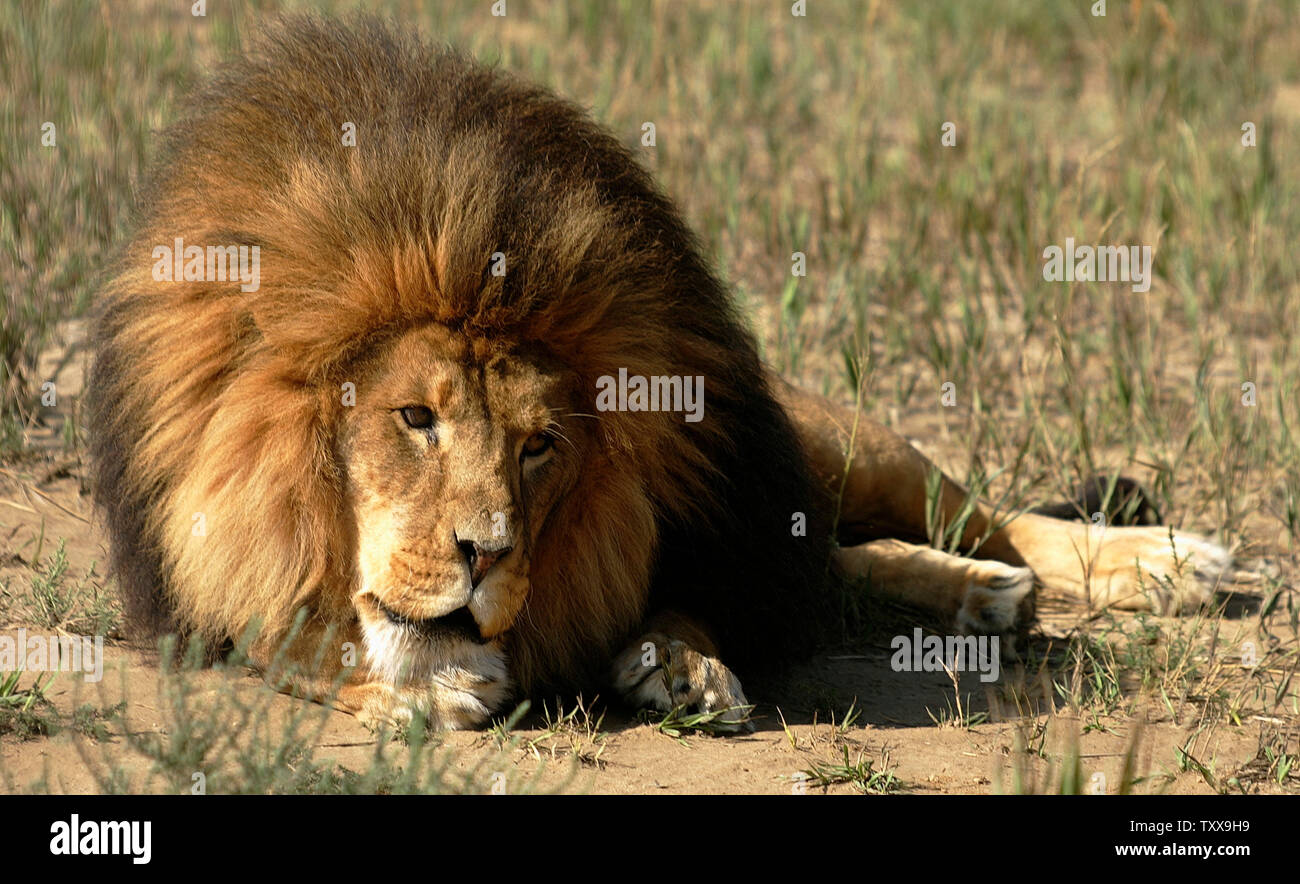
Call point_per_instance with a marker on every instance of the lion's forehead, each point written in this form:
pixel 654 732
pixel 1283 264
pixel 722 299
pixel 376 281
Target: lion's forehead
pixel 441 368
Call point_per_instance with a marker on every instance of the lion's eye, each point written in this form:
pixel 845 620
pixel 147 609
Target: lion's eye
pixel 418 417
pixel 537 444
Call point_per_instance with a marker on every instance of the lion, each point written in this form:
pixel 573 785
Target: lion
pixel 344 414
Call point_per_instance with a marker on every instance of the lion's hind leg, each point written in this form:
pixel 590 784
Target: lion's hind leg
pixel 882 484
pixel 1131 568
pixel 976 595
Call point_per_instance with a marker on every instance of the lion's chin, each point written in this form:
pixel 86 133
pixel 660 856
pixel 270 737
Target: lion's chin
pixel 459 624
pixel 405 652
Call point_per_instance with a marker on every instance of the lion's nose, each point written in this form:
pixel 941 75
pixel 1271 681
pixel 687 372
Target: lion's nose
pixel 481 558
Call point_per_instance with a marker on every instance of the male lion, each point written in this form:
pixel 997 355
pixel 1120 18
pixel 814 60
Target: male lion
pixel 386 440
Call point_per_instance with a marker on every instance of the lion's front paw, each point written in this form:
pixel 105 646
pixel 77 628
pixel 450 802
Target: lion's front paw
pixel 463 698
pixel 453 697
pixel 658 672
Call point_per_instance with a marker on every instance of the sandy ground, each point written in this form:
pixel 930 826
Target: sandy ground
pixel 895 729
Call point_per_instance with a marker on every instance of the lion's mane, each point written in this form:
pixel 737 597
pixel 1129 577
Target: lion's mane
pixel 208 399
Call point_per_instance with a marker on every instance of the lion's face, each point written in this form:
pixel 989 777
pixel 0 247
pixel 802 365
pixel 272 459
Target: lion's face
pixel 453 456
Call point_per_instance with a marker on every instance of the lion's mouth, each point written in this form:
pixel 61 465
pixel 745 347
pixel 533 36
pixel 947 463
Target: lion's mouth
pixel 460 623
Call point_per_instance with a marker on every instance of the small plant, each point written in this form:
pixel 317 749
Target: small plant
pixel 678 721
pixel 1280 762
pixel 861 772
pixel 851 716
pixel 1189 762
pixel 89 721
pixel 956 712
pixel 575 734
pixel 54 601
pixel 26 713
